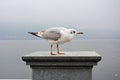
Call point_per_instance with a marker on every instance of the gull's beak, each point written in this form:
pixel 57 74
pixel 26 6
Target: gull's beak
pixel 79 32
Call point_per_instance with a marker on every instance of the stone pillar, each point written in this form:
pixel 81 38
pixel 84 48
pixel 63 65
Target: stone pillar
pixel 70 66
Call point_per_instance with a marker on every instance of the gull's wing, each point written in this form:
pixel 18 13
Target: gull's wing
pixel 52 34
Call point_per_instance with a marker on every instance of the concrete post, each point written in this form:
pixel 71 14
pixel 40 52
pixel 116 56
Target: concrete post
pixel 70 66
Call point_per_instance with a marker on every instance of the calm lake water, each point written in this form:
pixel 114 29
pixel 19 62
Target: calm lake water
pixel 12 66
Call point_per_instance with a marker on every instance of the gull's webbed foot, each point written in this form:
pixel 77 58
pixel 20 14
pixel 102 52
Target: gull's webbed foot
pixel 51 53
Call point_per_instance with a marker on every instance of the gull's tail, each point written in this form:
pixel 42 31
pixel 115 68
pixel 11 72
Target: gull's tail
pixel 34 33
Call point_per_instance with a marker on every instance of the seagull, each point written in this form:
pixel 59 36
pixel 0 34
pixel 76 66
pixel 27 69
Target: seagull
pixel 56 35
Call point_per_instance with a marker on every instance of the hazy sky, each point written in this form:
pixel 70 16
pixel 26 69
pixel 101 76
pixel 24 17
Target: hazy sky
pixel 96 18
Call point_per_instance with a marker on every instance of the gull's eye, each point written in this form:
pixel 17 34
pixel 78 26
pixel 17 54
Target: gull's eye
pixel 73 31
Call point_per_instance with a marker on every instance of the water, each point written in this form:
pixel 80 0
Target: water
pixel 11 65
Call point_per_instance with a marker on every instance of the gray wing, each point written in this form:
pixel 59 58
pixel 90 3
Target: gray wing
pixel 51 34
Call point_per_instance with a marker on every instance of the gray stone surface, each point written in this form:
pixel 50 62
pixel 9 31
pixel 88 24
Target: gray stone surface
pixel 67 56
pixel 62 74
pixel 70 66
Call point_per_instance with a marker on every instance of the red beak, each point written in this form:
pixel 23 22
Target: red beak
pixel 79 32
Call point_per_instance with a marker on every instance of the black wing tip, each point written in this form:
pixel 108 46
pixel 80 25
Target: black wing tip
pixel 34 33
pixel 29 32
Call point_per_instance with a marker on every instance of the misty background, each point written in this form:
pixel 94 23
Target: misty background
pixel 98 19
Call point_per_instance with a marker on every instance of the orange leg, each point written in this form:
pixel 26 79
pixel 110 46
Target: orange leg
pixel 58 51
pixel 51 50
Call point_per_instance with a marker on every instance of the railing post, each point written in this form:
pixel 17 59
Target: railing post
pixel 70 66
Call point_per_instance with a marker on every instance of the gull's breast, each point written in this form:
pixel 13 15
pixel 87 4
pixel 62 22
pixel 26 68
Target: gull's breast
pixel 61 40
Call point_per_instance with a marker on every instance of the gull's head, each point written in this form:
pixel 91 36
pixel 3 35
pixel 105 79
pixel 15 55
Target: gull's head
pixel 74 32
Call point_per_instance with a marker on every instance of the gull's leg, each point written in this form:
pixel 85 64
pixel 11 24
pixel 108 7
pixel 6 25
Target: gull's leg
pixel 51 49
pixel 58 51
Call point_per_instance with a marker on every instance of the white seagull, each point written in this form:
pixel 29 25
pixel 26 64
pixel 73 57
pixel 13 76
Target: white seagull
pixel 56 35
